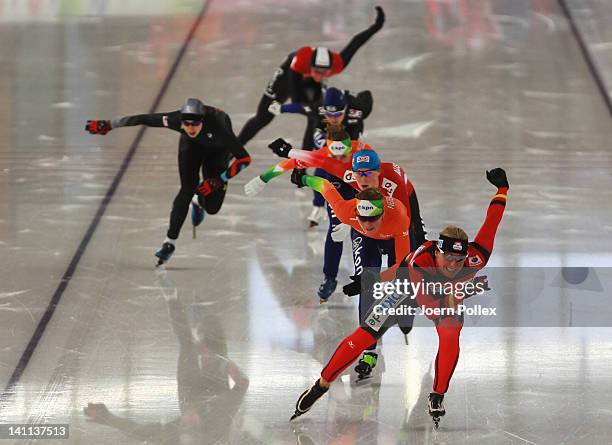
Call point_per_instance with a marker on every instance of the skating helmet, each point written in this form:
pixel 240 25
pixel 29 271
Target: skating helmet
pixel 366 159
pixel 321 58
pixel 192 110
pixel 334 102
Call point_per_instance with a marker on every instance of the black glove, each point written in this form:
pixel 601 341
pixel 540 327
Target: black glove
pixel 280 147
pixel 98 127
pixel 296 176
pixel 353 288
pixel 361 282
pixel 483 280
pixel 497 177
pixel 380 17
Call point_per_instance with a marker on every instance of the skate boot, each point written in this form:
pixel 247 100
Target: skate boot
pixel 436 408
pixel 326 289
pixel 366 365
pixel 307 399
pixel 316 216
pixel 164 253
pixel 197 214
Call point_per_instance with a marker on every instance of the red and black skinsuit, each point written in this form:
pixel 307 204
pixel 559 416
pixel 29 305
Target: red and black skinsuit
pixel 421 265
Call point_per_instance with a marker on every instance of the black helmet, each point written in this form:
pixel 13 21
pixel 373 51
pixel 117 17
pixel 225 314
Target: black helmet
pixel 192 110
pixel 321 58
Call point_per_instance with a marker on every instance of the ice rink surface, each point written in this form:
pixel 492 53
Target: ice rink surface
pixel 216 347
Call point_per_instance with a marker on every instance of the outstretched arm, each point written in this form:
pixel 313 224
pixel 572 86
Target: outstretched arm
pixel 360 39
pixel 495 212
pixel 170 120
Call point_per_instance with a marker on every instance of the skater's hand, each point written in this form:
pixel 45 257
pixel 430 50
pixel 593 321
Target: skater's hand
pixel 498 178
pixel 275 108
pixel 380 17
pixel 98 412
pixel 296 176
pixel 254 186
pixel 340 232
pixel 481 284
pixel 98 127
pixel 209 186
pixel 280 147
pixel 292 107
pixel 354 287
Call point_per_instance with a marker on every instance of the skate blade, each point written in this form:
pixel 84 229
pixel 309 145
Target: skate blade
pixel 323 300
pixel 436 422
pixel 363 380
pixel 312 224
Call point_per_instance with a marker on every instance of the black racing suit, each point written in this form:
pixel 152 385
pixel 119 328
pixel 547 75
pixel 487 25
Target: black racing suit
pixel 209 151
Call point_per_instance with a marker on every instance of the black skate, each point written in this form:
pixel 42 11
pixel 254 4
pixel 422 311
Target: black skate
pixel 307 399
pixel 406 330
pixel 365 366
pixel 164 253
pixel 436 408
pixel 326 289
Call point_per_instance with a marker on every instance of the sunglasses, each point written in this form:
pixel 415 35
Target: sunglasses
pixel 334 113
pixel 368 218
pixel 191 123
pixel 453 257
pixel 366 173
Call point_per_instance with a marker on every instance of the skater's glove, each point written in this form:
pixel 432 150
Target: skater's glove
pixel 362 282
pixel 340 232
pixel 98 127
pixel 209 186
pixel 319 138
pixel 353 288
pixel 275 108
pixel 254 186
pixel 498 178
pixel 280 147
pixel 380 17
pixel 481 284
pixel 297 176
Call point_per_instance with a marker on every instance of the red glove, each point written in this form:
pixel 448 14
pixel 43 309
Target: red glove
pixel 98 127
pixel 209 186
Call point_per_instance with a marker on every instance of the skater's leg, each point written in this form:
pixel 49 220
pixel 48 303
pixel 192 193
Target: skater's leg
pixel 262 118
pixel 366 254
pixel 277 90
pixel 346 353
pixel 333 250
pixel 449 329
pixel 189 162
pixel 318 200
pixel 331 258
